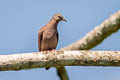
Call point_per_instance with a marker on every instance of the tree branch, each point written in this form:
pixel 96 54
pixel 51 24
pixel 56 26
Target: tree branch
pixel 93 38
pixel 84 58
pixel 62 73
pixel 98 34
pixel 59 59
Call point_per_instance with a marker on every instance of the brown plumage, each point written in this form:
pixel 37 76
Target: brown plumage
pixel 48 34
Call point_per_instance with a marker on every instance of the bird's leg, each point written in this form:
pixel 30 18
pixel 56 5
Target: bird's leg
pixel 53 50
pixel 44 51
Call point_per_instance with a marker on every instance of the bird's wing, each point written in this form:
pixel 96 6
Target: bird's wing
pixel 40 36
pixel 57 36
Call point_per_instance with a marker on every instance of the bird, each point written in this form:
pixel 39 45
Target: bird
pixel 48 35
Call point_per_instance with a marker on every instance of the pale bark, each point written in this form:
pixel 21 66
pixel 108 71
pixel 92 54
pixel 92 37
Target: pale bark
pixel 91 39
pixel 59 59
pixel 95 37
pixel 98 34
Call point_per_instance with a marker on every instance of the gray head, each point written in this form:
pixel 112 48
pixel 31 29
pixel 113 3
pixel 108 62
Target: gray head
pixel 59 17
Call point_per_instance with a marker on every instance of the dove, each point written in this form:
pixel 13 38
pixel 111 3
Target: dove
pixel 48 35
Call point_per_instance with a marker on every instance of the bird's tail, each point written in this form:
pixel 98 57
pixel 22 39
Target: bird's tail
pixel 47 68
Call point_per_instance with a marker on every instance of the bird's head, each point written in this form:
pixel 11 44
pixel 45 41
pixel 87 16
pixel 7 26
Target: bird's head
pixel 59 17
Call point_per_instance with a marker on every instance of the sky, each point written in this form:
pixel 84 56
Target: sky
pixel 20 21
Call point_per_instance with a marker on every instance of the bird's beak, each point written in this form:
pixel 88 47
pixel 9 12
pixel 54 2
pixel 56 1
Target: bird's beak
pixel 64 20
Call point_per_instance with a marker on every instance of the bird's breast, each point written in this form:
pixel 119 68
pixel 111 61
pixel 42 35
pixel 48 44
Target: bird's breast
pixel 49 41
pixel 49 34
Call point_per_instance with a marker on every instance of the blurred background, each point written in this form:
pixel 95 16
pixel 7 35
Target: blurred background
pixel 20 21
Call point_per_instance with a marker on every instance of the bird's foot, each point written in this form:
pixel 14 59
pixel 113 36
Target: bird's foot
pixel 53 50
pixel 45 51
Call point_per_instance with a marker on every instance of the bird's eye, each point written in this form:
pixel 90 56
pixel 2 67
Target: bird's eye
pixel 60 17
